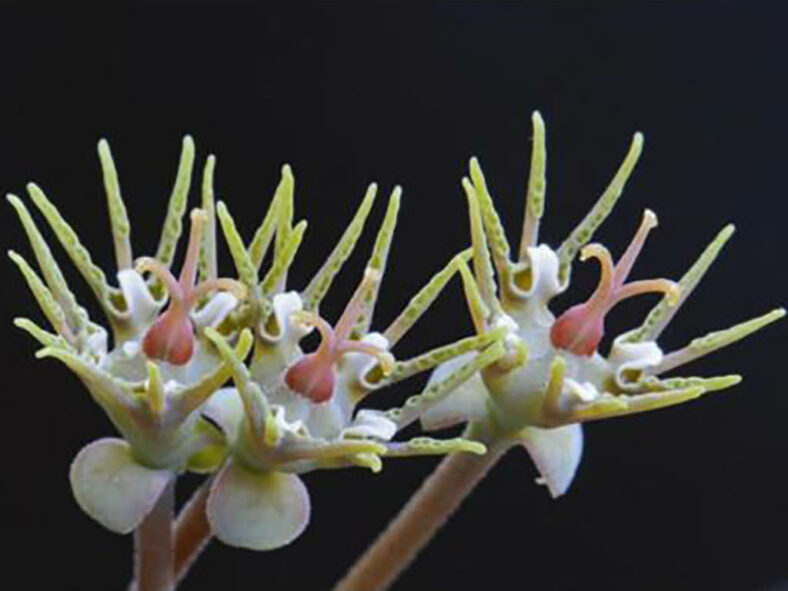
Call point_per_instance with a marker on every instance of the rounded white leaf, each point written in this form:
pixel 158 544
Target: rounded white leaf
pixel 111 487
pixel 257 510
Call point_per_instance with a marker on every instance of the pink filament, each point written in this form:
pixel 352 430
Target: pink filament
pixel 581 327
pixel 313 376
pixel 171 337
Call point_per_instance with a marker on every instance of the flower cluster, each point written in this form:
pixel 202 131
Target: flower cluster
pixel 551 375
pixel 160 368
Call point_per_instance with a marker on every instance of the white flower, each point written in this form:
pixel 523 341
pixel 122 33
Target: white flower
pixel 293 412
pixel 160 369
pixel 551 376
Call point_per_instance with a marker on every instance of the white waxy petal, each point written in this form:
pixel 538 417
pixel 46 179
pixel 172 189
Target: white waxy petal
pixel 358 365
pixel 465 403
pixel 556 453
pixel 257 510
pixel 131 348
pixel 295 427
pixel 142 308
pixel 372 424
pixel 97 343
pixel 226 409
pixel 543 266
pixel 630 359
pixel 584 391
pixel 111 487
pixel 215 310
pixel 289 333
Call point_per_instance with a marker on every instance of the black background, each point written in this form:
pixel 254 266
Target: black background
pixel 686 498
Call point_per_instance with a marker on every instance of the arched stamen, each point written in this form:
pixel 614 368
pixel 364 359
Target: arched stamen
pixel 323 327
pixel 171 337
pixel 192 258
pixel 313 376
pixel 385 359
pixel 232 286
pixel 669 288
pixel 607 273
pixel 626 261
pixel 581 327
pixel 355 306
pixel 151 265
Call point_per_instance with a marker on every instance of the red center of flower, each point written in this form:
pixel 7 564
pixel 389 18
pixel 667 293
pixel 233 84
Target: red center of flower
pixel 171 337
pixel 581 327
pixel 313 376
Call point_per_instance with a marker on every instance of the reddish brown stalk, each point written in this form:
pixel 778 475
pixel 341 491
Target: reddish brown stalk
pixel 417 523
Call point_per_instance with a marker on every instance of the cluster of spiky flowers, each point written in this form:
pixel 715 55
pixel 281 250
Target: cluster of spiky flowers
pixel 160 370
pixel 173 343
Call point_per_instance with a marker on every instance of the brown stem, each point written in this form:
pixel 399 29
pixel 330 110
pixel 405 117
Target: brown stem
pixel 153 543
pixel 417 523
pixel 192 531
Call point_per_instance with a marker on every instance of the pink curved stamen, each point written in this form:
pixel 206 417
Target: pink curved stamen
pixel 171 337
pixel 232 286
pixel 581 327
pixel 162 273
pixel 313 376
pixel 385 359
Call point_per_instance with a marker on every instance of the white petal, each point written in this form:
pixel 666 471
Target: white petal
pixel 289 333
pixel 556 453
pixel 131 348
pixel 544 265
pixel 257 510
pixel 584 391
pixel 357 365
pixel 142 308
pixel 505 321
pixel 97 343
pixel 327 419
pixel 465 403
pixel 215 310
pixel 295 427
pixel 628 358
pixel 371 423
pixel 111 487
pixel 226 409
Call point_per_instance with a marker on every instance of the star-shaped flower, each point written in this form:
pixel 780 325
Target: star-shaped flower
pixel 159 369
pixel 553 376
pixel 293 412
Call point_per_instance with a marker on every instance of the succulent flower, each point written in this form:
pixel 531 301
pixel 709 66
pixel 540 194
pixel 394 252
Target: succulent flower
pixel 292 412
pixel 551 375
pixel 158 369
